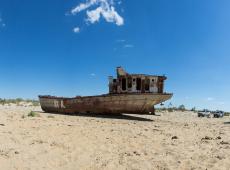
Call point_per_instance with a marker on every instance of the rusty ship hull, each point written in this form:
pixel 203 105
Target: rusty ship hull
pixel 109 103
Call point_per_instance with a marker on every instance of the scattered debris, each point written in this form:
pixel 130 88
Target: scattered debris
pixel 220 157
pixel 128 154
pixel 218 137
pixel 174 137
pixel 224 143
pixel 207 138
pixel 4 153
pixel 136 153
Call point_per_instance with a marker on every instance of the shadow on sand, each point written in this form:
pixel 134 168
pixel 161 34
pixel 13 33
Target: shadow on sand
pixel 227 123
pixel 105 116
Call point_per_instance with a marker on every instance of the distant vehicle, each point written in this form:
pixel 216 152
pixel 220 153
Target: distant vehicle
pixel 204 113
pixel 218 114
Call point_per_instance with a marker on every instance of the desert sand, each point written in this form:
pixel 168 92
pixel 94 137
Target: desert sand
pixel 175 140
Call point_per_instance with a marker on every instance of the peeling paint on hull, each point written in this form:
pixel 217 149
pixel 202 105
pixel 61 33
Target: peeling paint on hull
pixel 109 103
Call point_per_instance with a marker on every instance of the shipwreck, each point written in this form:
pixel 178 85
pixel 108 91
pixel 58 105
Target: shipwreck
pixel 128 93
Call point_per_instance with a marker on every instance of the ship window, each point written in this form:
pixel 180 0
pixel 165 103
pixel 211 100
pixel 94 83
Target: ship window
pixel 147 82
pixel 123 84
pixel 129 83
pixel 152 80
pixel 114 80
pixel 138 84
pixel 134 80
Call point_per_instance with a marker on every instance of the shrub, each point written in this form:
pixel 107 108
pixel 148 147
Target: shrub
pixel 18 100
pixel 170 109
pixel 227 114
pixel 33 114
pixel 181 108
pixel 193 109
pixel 35 103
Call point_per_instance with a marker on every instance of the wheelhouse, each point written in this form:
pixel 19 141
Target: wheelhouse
pixel 135 83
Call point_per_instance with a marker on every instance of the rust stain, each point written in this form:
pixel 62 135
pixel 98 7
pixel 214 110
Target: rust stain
pixel 128 93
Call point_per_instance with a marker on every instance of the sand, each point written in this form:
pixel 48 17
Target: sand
pixel 177 140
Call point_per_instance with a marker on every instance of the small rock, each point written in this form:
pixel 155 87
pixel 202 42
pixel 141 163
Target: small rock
pixel 16 152
pixel 128 154
pixel 224 143
pixel 174 137
pixel 136 153
pixel 2 124
pixel 218 137
pixel 219 157
pixel 207 138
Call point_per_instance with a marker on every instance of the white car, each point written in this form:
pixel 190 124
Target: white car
pixel 204 113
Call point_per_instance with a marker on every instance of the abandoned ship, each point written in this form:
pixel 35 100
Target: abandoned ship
pixel 128 93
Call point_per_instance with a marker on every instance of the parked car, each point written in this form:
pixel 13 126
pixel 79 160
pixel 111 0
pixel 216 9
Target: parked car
pixel 218 114
pixel 204 113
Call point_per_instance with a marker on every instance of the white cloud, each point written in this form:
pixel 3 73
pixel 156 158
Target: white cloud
pixel 105 9
pixel 128 46
pixel 120 41
pixel 76 30
pixel 210 99
pixel 221 103
pixel 83 6
pixel 93 74
pixel 2 24
pixel 94 15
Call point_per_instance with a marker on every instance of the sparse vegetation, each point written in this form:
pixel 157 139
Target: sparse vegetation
pixel 35 103
pixel 50 116
pixel 172 108
pixel 182 108
pixel 227 114
pixel 193 109
pixel 18 101
pixel 33 114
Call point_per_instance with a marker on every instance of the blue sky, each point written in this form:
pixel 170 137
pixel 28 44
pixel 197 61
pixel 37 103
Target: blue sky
pixel 66 49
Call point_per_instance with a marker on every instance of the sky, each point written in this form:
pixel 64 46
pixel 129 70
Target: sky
pixel 69 48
